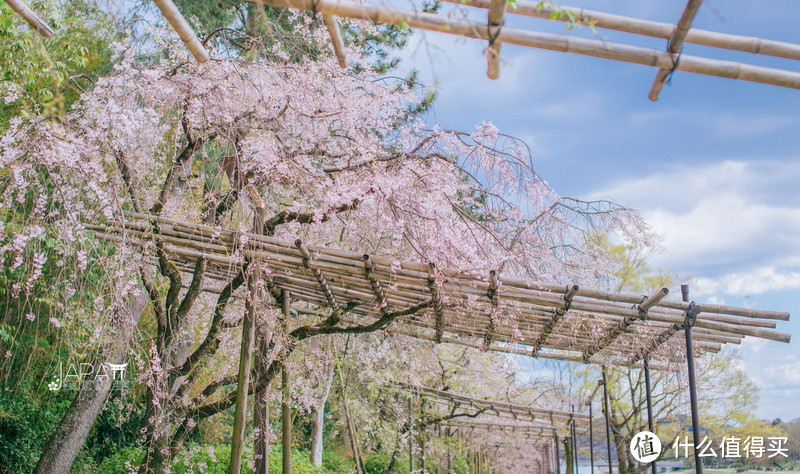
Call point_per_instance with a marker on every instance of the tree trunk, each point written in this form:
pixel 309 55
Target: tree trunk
pixel 262 360
pixel 318 422
pixel 71 434
pixel 568 454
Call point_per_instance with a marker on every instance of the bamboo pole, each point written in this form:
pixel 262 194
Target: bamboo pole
pixel 184 30
pixel 286 406
pixel 31 17
pixel 655 29
pixel 436 298
pixel 497 13
pixel 548 41
pixel 492 294
pixel 323 282
pixel 614 332
pixel 675 46
pixel 245 358
pixel 332 24
pixel 557 315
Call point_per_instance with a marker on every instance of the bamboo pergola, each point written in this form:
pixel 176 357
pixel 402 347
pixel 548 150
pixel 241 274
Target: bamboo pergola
pixel 540 319
pixel 528 419
pixel 495 33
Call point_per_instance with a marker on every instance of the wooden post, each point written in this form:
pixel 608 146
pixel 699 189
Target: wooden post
pixel 245 357
pixel 286 406
pixel 410 435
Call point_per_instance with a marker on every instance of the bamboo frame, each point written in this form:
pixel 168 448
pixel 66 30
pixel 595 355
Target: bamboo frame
pixel 557 315
pixel 184 30
pixel 675 46
pixel 30 16
pixel 437 302
pixel 497 13
pixel 588 320
pixel 615 331
pixel 332 24
pixel 608 21
pixel 552 42
pixel 493 294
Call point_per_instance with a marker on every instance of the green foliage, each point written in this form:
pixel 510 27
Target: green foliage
pixel 49 74
pixel 23 420
pixel 215 459
pixel 377 463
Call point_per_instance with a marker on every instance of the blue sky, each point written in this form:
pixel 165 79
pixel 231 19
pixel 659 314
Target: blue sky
pixel 713 166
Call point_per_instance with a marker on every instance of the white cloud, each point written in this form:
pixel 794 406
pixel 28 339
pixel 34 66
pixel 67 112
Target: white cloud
pixel 752 345
pixel 731 224
pixel 751 282
pixel 782 375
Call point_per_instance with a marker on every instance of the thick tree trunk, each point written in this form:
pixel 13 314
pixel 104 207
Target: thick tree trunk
pixel 318 422
pixel 71 434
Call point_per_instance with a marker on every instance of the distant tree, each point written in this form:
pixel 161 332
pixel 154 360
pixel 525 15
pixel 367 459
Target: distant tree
pixel 41 77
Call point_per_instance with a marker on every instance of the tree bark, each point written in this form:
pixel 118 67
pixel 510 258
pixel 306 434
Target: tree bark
pixel 568 454
pixel 71 434
pixel 318 422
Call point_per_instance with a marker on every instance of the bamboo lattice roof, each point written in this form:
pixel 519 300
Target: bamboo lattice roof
pixel 540 319
pixel 506 416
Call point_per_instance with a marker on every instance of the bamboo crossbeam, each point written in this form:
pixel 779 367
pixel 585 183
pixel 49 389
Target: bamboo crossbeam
pixel 184 30
pixel 675 46
pixel 332 24
pixel 496 405
pixel 488 425
pixel 559 313
pixel 323 282
pixel 497 13
pixel 375 284
pixel 626 322
pixel 609 21
pixel 548 41
pixel 31 17
pixel 436 297
pixel 492 294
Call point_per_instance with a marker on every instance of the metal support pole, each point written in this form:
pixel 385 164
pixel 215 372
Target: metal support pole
pixel 558 461
pixel 607 405
pixel 574 443
pixel 649 402
pixel 698 463
pixel 591 438
pixel 286 407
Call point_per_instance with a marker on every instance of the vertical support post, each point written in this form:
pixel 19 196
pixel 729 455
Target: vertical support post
pixel 245 358
pixel 286 407
pixel 607 406
pixel 591 438
pixel 574 443
pixel 410 435
pixel 646 362
pixel 558 456
pixel 698 463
